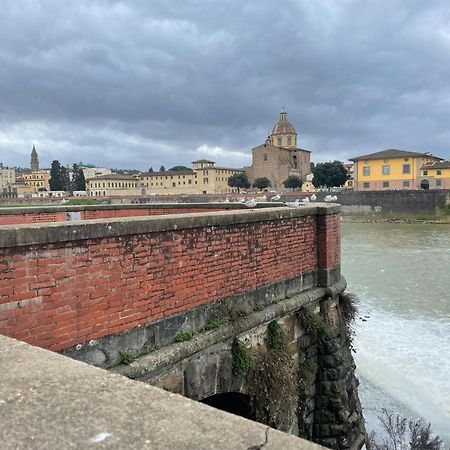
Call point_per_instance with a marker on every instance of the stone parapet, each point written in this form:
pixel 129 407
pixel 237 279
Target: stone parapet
pixel 50 401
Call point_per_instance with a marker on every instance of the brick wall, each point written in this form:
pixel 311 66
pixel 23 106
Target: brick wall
pixel 329 239
pixel 57 291
pixel 16 216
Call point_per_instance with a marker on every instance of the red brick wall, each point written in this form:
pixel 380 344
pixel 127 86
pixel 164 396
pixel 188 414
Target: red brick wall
pixel 60 294
pixel 58 216
pixel 35 217
pixel 329 239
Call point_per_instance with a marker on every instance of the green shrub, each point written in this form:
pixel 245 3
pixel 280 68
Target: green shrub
pixel 127 357
pixel 276 337
pixel 182 336
pixel 242 358
pixel 212 325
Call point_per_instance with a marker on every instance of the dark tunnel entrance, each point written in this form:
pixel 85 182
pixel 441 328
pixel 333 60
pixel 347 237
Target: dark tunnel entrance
pixel 232 402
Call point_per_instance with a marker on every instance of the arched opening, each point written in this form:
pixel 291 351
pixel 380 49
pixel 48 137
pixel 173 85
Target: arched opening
pixel 232 402
pixel 424 184
pixel 143 191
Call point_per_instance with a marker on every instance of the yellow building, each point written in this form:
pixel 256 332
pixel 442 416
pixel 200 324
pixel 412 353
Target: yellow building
pixel 37 180
pixel 203 178
pixel 390 169
pixel 435 175
pixel 111 185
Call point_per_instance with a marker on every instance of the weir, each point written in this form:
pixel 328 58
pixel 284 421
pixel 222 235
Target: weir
pixel 189 302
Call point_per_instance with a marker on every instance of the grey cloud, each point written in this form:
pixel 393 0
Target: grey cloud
pixel 142 83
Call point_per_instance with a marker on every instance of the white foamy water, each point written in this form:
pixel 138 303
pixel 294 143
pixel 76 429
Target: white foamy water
pixel 401 274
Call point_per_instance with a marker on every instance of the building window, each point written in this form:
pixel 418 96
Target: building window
pixel 438 172
pixel 406 184
pixel 438 183
pixel 279 141
pixel 265 156
pixel 174 184
pixel 189 181
pixel 366 185
pixel 289 140
pixel 205 172
pixel 366 162
pixel 406 168
pixel 205 180
pixel 425 172
pixel 366 171
pixel 385 184
pixel 386 170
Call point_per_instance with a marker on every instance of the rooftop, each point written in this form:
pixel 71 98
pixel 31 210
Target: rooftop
pixel 437 165
pixel 392 154
pixel 203 161
pixel 113 176
pixel 283 126
pixel 167 173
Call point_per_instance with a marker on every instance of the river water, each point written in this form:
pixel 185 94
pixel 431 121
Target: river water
pixel 401 274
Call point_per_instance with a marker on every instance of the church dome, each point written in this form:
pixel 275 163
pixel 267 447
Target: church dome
pixel 283 126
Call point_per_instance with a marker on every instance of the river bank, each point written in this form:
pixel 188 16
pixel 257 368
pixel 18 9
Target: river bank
pixel 436 220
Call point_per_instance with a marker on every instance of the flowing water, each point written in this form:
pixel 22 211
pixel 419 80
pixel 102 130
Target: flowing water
pixel 401 274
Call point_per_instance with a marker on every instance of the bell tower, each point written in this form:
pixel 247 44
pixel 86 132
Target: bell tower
pixel 34 164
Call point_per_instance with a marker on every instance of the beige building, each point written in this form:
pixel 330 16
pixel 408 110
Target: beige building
pixel 7 176
pixel 203 178
pixel 279 157
pixel 92 172
pixel 111 185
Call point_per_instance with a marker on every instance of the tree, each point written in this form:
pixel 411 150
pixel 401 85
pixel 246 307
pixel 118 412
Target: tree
pixel 261 183
pixel 178 168
pixel 292 181
pixel 65 179
pixel 78 182
pixel 330 174
pixel 162 169
pixel 403 434
pixel 239 181
pixel 55 176
pixel 150 170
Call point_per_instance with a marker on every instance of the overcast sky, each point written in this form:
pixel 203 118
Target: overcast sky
pixel 141 83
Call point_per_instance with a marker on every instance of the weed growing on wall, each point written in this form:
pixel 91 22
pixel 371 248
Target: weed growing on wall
pixel 273 381
pixel 313 324
pixel 348 303
pixel 182 336
pixel 276 338
pixel 127 357
pixel 242 359
pixel 212 325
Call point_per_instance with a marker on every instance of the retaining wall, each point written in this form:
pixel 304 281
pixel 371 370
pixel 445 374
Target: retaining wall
pixel 64 284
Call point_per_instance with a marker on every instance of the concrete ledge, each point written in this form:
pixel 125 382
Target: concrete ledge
pixel 48 401
pixel 158 205
pixel 20 235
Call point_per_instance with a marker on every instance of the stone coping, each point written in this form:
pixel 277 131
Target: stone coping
pixel 48 401
pixel 55 232
pixel 156 205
